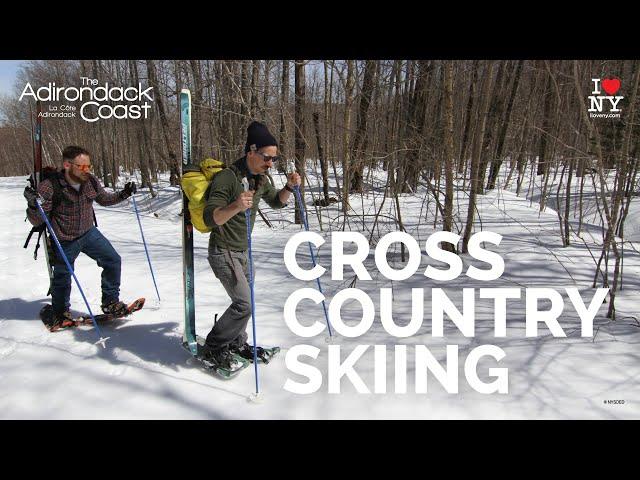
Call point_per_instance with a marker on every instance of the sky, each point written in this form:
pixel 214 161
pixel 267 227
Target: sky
pixel 8 71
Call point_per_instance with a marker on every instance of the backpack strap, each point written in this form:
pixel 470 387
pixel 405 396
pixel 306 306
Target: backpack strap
pixel 38 229
pixel 35 252
pixel 26 244
pixel 56 199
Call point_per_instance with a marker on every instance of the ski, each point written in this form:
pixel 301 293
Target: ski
pixel 189 335
pixel 239 364
pixel 46 314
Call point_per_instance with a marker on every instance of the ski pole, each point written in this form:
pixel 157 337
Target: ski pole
pixel 135 207
pixel 102 340
pixel 303 214
pixel 247 215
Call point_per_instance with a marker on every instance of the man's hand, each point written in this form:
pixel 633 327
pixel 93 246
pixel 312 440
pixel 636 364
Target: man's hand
pixel 244 200
pixel 293 179
pixel 128 190
pixel 32 197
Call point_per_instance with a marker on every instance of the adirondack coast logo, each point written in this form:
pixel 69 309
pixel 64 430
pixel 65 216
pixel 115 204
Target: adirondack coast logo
pixel 605 106
pixel 101 102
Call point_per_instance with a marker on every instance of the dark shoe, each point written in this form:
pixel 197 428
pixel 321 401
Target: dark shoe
pixel 246 351
pixel 219 356
pixel 58 320
pixel 116 308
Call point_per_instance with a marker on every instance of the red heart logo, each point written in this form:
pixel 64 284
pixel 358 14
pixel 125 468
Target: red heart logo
pixel 611 85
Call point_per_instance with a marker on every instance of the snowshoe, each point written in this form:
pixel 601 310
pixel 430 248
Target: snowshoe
pixel 113 311
pixel 67 320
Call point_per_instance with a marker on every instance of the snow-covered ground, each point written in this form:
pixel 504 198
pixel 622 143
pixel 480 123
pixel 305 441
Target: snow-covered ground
pixel 145 373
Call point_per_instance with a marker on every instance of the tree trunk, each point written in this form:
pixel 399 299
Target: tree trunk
pixel 448 155
pixel 174 167
pixel 324 167
pixel 493 123
pixel 546 126
pixel 497 161
pixel 360 139
pixel 284 102
pixel 475 159
pixel 101 125
pixel 255 74
pixel 300 88
pixel 346 138
pixel 196 110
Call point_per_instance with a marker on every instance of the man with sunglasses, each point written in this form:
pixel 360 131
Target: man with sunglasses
pixel 228 256
pixel 68 197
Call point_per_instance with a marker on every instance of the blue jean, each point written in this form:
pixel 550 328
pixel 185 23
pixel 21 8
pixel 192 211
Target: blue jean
pixel 97 247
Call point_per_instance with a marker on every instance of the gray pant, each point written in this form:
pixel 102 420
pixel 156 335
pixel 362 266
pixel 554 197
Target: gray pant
pixel 230 327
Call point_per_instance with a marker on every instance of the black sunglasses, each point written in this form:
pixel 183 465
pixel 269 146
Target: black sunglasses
pixel 269 158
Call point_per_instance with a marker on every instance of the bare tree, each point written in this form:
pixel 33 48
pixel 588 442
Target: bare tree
pixel 477 146
pixel 284 102
pixel 360 138
pixel 448 156
pixel 497 161
pixel 300 88
pixel 174 168
pixel 346 143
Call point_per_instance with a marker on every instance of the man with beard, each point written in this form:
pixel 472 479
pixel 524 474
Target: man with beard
pixel 69 206
pixel 228 256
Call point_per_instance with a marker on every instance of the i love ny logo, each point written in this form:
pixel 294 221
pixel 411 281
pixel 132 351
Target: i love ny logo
pixel 599 102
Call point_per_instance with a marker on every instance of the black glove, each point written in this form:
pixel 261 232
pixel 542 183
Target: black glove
pixel 32 197
pixel 129 189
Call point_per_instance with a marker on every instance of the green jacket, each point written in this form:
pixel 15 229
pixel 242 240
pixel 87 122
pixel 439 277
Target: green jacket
pixel 225 188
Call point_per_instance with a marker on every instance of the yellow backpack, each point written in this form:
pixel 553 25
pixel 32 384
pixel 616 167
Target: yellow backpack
pixel 195 186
